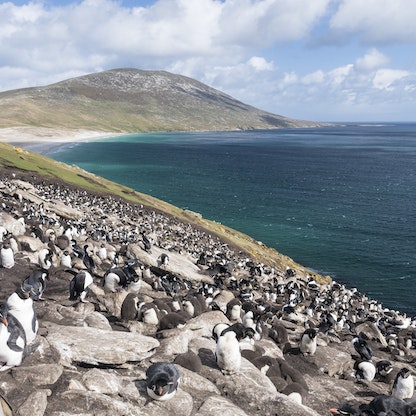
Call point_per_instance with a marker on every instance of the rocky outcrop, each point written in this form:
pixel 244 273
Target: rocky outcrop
pixel 88 358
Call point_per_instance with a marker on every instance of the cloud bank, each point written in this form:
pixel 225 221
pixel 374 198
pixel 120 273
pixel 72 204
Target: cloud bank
pixel 311 59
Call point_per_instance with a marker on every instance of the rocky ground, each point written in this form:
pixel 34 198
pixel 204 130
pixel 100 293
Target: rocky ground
pixel 90 358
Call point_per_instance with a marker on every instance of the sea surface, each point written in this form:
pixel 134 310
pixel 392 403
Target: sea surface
pixel 340 200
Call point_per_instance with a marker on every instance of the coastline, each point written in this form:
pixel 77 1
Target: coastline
pixel 44 140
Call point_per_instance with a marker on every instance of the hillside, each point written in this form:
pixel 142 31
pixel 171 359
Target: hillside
pixel 132 100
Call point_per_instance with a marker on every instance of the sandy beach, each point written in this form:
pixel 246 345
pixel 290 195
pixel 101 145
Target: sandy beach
pixel 43 140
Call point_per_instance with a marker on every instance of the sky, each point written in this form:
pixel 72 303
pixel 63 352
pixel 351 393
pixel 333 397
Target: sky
pixel 320 60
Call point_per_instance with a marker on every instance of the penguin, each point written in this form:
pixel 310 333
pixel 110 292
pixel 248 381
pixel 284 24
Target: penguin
pixel 7 256
pixel 162 380
pixel 79 285
pixel 12 339
pixel 403 385
pixel 227 353
pixel 296 392
pixel 146 243
pixel 88 261
pixel 66 260
pixel 172 320
pixel 364 370
pixel 149 314
pixel 234 310
pixel 20 304
pixel 129 307
pixel 217 330
pixel 361 346
pixel 307 343
pixel 384 371
pixel 163 260
pixel 37 281
pixel 102 252
pixel 389 405
pixel 45 258
pixel 189 360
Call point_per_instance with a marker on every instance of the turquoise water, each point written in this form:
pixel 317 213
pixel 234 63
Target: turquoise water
pixel 340 200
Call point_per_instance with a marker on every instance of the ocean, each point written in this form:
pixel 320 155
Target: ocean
pixel 339 200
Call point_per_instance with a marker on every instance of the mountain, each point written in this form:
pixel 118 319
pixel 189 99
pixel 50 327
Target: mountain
pixel 132 100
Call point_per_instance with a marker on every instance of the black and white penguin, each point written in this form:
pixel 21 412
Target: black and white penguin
pixel 146 243
pixel 227 353
pixel 404 385
pixel 162 381
pixel 66 259
pixel 12 340
pixel 364 370
pixel 308 342
pixel 217 330
pixel 20 304
pixel 45 258
pixel 361 346
pixel 37 282
pixel 7 256
pixel 79 285
pixel 384 371
pixel 389 405
pixel 163 260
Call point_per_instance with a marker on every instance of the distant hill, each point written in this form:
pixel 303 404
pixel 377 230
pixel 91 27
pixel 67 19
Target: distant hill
pixel 132 100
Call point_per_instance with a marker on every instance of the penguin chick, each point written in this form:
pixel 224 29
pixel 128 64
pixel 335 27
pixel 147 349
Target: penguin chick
pixel 307 344
pixel 404 385
pixel 162 381
pixel 296 392
pixel 364 370
pixel 189 360
pixel 129 307
pixel 227 353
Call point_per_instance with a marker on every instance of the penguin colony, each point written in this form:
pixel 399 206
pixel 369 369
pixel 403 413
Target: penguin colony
pixel 293 312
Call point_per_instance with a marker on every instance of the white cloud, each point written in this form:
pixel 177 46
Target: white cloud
pixel 381 21
pixel 371 60
pixel 385 78
pixel 260 64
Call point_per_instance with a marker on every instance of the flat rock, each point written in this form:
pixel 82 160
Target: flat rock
pixel 98 347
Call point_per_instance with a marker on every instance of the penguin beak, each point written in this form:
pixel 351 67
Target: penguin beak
pixel 334 411
pixel 160 391
pixel 4 321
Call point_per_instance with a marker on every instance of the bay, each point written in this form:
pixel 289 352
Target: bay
pixel 339 200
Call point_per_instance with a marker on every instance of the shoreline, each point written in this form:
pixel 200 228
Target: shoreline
pixel 45 140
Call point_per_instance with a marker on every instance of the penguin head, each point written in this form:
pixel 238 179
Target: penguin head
pixel 345 410
pixel 404 373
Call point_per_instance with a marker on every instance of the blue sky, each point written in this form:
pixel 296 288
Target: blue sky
pixel 323 60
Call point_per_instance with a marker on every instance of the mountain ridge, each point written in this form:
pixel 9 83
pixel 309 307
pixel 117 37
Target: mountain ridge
pixel 128 100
